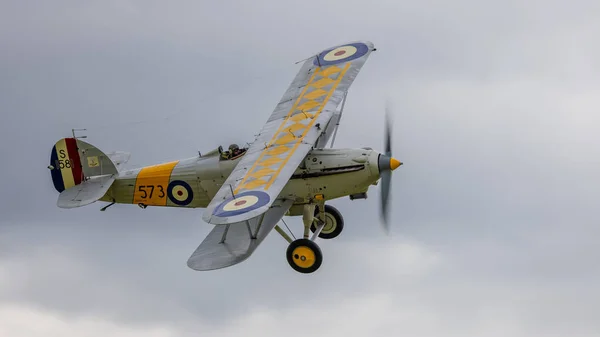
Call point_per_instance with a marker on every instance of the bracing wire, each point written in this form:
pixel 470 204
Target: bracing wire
pixel 286 226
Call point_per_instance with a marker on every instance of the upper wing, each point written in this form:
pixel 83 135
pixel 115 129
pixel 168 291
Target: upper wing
pixel 291 131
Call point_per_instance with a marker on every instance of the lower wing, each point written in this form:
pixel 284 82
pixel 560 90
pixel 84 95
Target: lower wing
pixel 233 243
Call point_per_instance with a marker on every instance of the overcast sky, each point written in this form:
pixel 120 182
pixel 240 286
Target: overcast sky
pixel 495 211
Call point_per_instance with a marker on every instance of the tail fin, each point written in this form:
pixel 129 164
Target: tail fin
pixel 94 161
pixel 73 160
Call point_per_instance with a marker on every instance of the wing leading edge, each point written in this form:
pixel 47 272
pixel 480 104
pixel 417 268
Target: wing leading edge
pixel 291 131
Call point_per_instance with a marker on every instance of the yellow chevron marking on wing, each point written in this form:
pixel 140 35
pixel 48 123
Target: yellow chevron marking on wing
pixel 255 183
pixel 308 105
pixel 315 94
pixel 285 139
pixel 301 116
pixel 282 165
pixel 270 161
pixel 322 82
pixel 262 172
pixel 260 161
pixel 286 134
pixel 277 150
pixel 330 71
pixel 295 127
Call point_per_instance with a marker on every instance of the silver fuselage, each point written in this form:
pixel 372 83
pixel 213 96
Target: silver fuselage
pixel 331 173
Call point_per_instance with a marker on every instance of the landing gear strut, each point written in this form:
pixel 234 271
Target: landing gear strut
pixel 304 255
pixel 334 222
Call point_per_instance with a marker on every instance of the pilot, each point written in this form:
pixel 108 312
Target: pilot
pixel 226 155
pixel 234 150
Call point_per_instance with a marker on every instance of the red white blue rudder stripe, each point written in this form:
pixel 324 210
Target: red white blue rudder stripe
pixel 65 164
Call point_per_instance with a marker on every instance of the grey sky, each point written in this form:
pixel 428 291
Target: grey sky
pixel 495 226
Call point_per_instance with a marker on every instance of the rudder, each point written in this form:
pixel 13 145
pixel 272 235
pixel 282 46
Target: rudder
pixel 73 160
pixel 65 165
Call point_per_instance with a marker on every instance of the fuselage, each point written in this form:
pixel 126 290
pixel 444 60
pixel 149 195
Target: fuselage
pixel 193 182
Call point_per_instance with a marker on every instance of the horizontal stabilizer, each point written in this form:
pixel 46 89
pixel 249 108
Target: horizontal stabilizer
pixel 231 244
pixel 85 193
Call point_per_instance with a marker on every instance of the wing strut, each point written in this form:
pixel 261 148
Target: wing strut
pixel 337 124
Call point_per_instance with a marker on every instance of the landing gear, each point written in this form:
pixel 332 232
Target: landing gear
pixel 334 222
pixel 304 256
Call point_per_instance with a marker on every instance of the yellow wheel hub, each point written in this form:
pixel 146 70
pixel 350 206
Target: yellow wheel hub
pixel 303 257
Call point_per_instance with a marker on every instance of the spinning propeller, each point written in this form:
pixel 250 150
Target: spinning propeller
pixel 387 164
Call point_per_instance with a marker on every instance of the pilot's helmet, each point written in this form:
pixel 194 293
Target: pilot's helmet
pixel 233 147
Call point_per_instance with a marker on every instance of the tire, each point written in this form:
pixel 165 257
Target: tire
pixel 334 223
pixel 304 256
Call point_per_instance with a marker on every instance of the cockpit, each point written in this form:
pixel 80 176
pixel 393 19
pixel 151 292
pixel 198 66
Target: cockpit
pixel 232 153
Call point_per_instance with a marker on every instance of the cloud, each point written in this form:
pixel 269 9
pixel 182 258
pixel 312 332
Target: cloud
pixel 459 310
pixel 494 209
pixel 79 280
pixel 23 321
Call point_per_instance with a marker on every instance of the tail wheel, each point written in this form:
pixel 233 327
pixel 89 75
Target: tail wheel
pixel 334 223
pixel 304 256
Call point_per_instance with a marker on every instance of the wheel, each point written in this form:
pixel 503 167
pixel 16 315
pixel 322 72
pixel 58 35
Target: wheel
pixel 334 223
pixel 304 256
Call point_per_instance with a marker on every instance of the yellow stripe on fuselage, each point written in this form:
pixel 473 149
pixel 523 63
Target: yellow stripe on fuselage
pixel 66 169
pixel 151 184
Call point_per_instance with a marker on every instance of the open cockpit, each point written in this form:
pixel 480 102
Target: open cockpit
pixel 232 153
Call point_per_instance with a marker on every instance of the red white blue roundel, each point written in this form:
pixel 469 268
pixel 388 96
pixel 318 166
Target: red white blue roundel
pixel 341 54
pixel 180 192
pixel 242 203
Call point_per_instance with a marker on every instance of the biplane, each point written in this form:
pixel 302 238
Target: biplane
pixel 288 170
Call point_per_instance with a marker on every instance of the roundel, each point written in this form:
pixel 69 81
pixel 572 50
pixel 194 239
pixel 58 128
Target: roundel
pixel 341 54
pixel 180 192
pixel 242 203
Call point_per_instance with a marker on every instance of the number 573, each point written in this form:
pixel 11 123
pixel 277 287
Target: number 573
pixel 148 190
